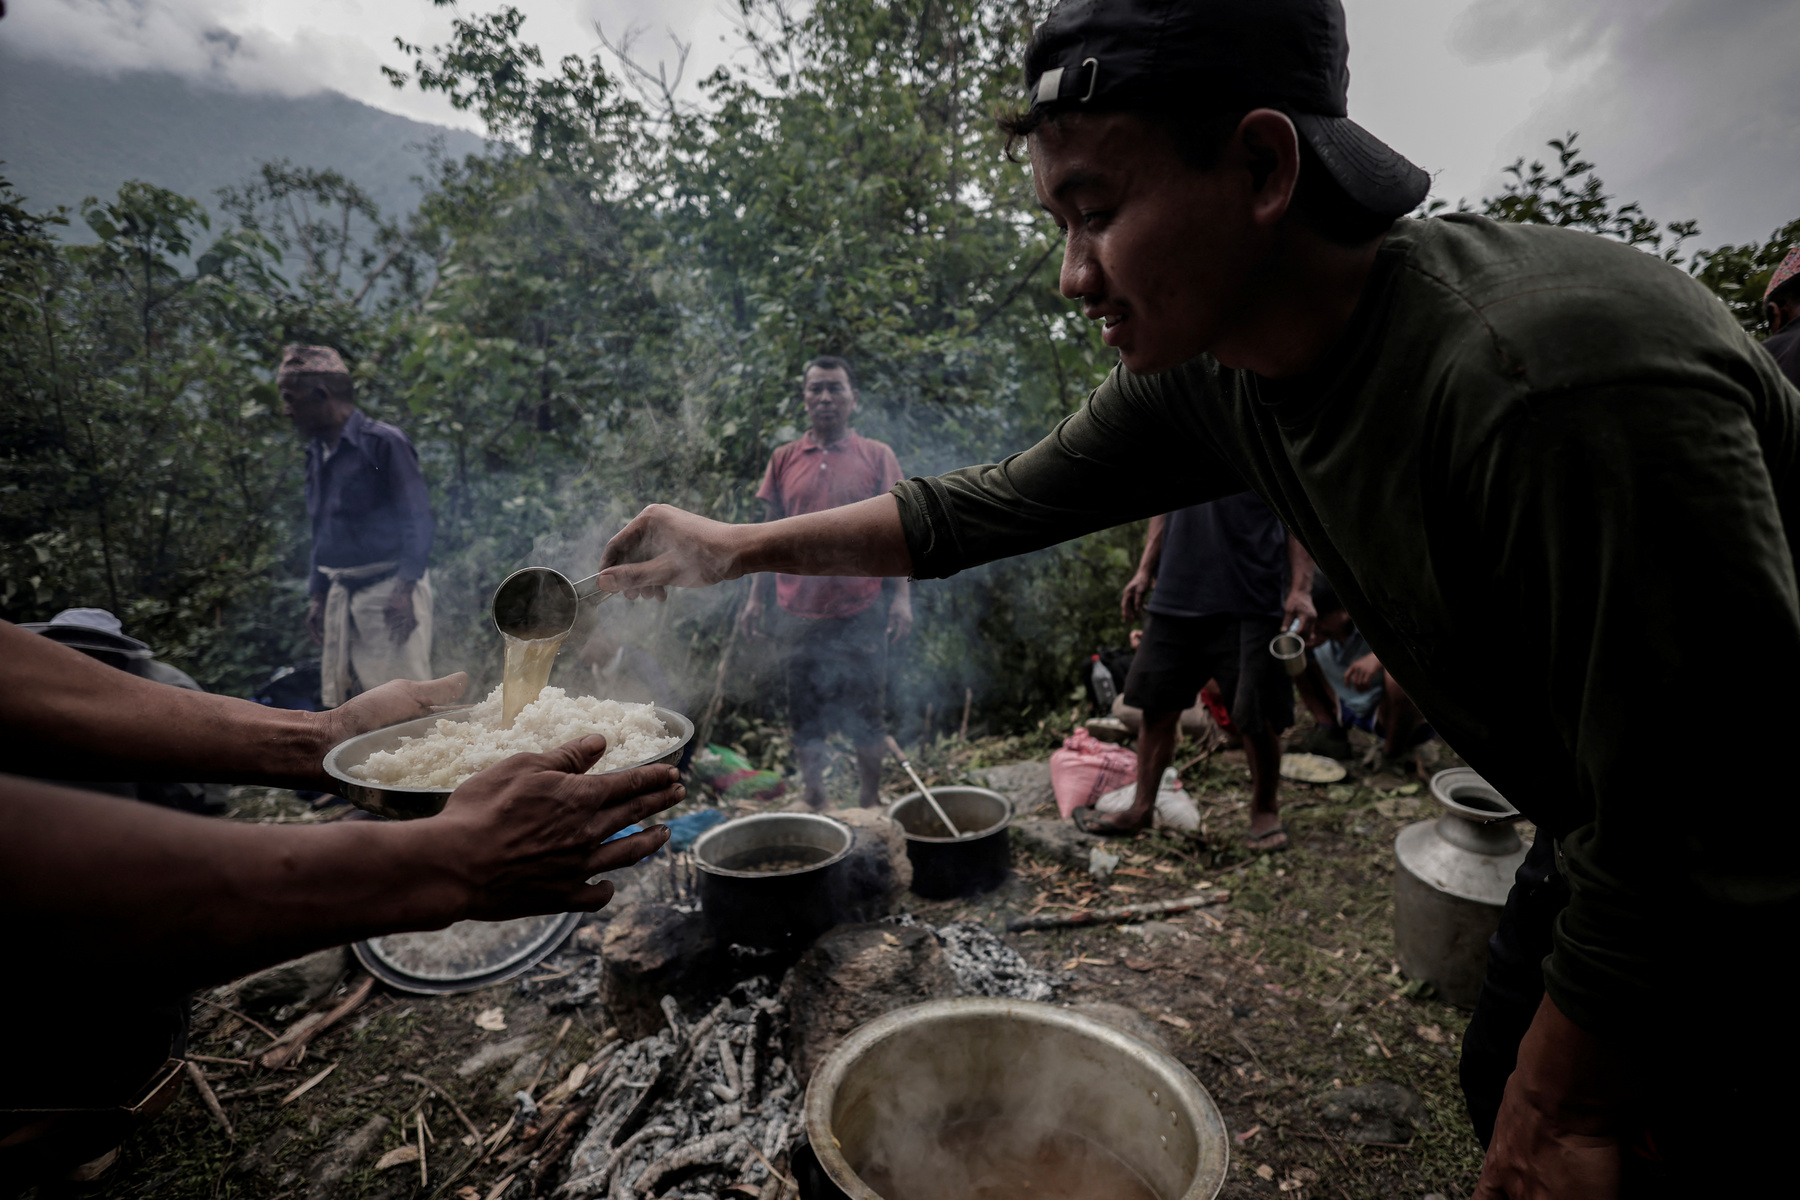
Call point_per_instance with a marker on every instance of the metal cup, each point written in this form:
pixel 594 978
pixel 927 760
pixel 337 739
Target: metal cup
pixel 1290 649
pixel 537 602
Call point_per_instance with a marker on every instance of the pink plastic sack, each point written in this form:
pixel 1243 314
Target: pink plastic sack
pixel 1087 768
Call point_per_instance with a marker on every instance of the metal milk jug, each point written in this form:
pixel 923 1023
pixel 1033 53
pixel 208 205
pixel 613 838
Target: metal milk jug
pixel 1450 884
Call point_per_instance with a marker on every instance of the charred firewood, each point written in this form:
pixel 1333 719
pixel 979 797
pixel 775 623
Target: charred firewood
pixel 715 1150
pixel 589 1185
pixel 682 1084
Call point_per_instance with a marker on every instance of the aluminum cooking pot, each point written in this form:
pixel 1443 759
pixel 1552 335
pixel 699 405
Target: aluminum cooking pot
pixel 783 909
pixel 945 866
pixel 917 1069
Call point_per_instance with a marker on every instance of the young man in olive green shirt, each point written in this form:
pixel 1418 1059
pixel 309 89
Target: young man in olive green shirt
pixel 1501 444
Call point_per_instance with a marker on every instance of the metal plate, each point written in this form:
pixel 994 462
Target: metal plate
pixel 466 956
pixel 404 804
pixel 1311 768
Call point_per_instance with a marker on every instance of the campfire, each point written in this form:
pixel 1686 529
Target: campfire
pixel 710 1102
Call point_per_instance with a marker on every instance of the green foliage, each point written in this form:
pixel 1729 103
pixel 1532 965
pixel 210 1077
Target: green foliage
pixel 609 306
pixel 1573 196
pixel 142 477
pixel 1739 275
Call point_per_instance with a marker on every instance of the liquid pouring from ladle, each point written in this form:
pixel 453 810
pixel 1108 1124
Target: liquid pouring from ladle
pixel 536 602
pixel 920 784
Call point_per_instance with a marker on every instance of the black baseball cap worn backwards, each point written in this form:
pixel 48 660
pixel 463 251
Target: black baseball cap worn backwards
pixel 1217 55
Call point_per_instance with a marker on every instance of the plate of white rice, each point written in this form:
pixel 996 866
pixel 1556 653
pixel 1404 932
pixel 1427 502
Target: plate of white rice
pixel 408 770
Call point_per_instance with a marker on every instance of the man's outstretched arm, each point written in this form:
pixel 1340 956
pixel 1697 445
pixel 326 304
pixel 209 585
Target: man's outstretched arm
pixel 665 547
pixel 65 716
pixel 1131 451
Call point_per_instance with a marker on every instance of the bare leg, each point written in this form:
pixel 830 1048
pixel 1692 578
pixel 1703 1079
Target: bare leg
pixel 1263 750
pixel 1155 750
pixel 868 765
pixel 1399 717
pixel 1317 695
pixel 812 769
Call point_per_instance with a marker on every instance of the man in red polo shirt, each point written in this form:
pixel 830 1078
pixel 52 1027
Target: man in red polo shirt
pixel 836 631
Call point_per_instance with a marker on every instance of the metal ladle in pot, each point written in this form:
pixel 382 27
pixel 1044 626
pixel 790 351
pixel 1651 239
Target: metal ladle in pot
pixel 537 602
pixel 920 784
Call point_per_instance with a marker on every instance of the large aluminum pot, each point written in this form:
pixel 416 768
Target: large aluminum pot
pixel 404 804
pixel 893 1083
pixel 1453 874
pixel 945 866
pixel 772 910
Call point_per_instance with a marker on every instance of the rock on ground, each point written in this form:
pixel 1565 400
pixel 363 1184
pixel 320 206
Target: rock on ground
pixel 1374 1112
pixel 1025 784
pixel 653 950
pixel 854 974
pixel 1055 840
pixel 295 982
pixel 877 873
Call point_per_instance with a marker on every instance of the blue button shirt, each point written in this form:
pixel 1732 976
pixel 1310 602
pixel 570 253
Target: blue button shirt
pixel 367 502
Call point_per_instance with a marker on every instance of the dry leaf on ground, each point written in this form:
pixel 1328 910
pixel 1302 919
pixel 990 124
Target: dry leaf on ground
pixel 396 1157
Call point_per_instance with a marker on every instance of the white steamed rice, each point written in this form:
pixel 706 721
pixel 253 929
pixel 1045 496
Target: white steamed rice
pixel 456 750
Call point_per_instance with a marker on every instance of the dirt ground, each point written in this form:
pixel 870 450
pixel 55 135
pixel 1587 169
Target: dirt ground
pixel 1286 993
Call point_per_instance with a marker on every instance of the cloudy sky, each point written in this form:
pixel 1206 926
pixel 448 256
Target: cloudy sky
pixel 1690 106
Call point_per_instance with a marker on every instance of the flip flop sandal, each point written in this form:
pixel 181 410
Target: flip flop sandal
pixel 1088 821
pixel 1267 833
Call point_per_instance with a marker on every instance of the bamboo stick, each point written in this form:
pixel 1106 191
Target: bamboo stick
pixel 1125 912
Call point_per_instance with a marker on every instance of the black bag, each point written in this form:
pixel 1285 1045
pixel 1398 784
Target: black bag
pixel 296 687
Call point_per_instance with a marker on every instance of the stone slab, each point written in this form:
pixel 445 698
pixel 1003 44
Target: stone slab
pixel 1054 840
pixel 1025 784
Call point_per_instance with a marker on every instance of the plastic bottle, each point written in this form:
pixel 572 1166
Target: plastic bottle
pixel 1105 689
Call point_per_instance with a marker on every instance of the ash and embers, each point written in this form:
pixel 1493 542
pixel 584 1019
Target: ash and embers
pixel 984 965
pixel 694 1108
pixel 697 1107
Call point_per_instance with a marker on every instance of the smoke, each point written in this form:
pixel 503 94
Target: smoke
pixel 1002 1116
pixel 637 651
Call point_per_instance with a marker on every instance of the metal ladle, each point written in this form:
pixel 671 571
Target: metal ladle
pixel 536 602
pixel 920 784
pixel 1289 648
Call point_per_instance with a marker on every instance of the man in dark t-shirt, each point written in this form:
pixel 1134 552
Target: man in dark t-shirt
pixel 1214 573
pixel 1502 443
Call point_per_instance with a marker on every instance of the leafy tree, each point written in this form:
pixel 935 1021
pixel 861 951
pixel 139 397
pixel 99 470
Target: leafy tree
pixel 1571 195
pixel 147 457
pixel 843 193
pixel 1739 275
pixel 609 306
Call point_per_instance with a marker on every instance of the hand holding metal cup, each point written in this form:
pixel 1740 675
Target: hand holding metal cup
pixel 537 602
pixel 1290 648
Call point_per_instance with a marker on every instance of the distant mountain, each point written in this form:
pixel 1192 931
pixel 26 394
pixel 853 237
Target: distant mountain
pixel 66 133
